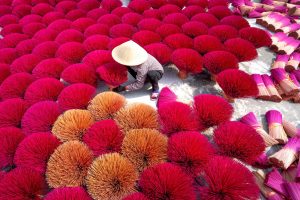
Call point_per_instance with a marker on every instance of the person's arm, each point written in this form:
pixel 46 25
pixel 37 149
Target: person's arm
pixel 139 83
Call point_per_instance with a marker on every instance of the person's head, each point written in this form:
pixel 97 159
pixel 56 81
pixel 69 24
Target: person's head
pixel 130 54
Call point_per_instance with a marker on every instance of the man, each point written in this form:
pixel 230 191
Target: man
pixel 141 65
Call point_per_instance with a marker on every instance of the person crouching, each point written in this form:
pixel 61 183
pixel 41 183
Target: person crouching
pixel 141 65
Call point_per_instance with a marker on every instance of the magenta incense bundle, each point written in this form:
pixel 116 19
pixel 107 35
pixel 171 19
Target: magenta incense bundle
pixel 274 119
pixel 282 78
pixel 291 45
pixel 274 180
pixel 292 189
pixel 255 14
pixel 282 44
pixel 262 161
pixel 266 191
pixel 262 89
pixel 287 155
pixel 290 129
pixel 293 62
pixel 269 19
pixel 289 28
pixel 294 79
pixel 251 120
pixel 278 24
pixel 280 61
pixel 275 96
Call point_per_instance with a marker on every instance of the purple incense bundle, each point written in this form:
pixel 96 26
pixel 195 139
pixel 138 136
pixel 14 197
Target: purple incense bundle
pixel 274 119
pixel 282 78
pixel 280 61
pixel 251 120
pixel 290 129
pixel 267 192
pixel 274 180
pixel 275 96
pixel 287 155
pixel 293 190
pixel 293 62
pixel 294 79
pixel 262 89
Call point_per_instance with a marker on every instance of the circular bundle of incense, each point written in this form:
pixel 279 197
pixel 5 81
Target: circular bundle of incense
pixel 287 155
pixel 280 61
pixel 262 89
pixel 274 119
pixel 275 96
pixel 251 120
pixel 284 81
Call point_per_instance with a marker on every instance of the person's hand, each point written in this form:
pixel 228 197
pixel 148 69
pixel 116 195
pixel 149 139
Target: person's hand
pixel 119 89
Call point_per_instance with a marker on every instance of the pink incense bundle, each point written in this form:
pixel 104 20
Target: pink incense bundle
pixel 281 44
pixel 292 189
pixel 262 89
pixel 293 62
pixel 267 192
pixel 277 37
pixel 290 129
pixel 166 95
pixel 274 119
pixel 275 96
pixel 291 45
pixel 287 155
pixel 251 120
pixel 282 78
pixel 289 28
pixel 280 61
pixel 269 19
pixel 282 22
pixel 275 181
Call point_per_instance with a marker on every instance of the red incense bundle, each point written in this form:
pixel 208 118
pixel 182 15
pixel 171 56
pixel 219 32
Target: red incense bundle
pixel 265 190
pixel 293 62
pixel 292 189
pixel 274 119
pixel 280 61
pixel 284 81
pixel 275 96
pixel 262 90
pixel 251 120
pixel 274 180
pixel 287 155
pixel 290 129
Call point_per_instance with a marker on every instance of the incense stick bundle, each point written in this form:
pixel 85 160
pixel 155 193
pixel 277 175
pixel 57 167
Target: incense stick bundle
pixel 280 61
pixel 278 24
pixel 293 62
pixel 287 155
pixel 289 28
pixel 282 44
pixel 271 88
pixel 292 189
pixel 265 190
pixel 284 81
pixel 290 173
pixel 295 34
pixel 290 129
pixel 274 119
pixel 290 47
pixel 255 14
pixel 274 180
pixel 262 89
pixel 252 121
pixel 262 161
pixel 267 19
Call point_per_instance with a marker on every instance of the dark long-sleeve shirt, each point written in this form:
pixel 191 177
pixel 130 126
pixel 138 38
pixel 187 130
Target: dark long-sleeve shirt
pixel 151 64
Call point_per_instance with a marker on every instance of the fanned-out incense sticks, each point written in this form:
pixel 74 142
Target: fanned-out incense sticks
pixel 274 119
pixel 262 89
pixel 287 155
pixel 252 121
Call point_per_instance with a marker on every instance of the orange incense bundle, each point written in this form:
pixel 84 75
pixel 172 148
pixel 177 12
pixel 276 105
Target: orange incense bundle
pixel 274 119
pixel 251 120
pixel 287 155
pixel 262 89
pixel 284 81
pixel 275 96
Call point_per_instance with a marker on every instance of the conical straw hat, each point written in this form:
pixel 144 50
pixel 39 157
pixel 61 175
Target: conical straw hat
pixel 129 53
